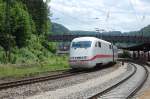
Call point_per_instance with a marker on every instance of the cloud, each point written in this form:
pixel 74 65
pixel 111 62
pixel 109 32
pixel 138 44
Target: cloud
pixel 123 15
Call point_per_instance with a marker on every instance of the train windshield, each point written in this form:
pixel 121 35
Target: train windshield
pixel 81 44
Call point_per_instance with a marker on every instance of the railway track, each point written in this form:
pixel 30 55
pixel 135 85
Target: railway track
pixel 138 88
pixel 107 92
pixel 64 73
pixel 39 79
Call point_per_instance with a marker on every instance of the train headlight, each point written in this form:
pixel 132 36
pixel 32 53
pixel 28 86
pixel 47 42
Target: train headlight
pixel 72 58
pixel 85 57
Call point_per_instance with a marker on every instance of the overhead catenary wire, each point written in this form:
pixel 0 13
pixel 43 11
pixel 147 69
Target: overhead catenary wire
pixel 138 21
pixel 134 11
pixel 104 20
pixel 75 19
pixel 85 22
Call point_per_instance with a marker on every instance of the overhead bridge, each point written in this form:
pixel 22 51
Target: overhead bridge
pixel 140 47
pixel 110 38
pixel 141 43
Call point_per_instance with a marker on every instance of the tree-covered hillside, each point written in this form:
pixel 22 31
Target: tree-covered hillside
pixel 142 32
pixel 59 29
pixel 94 33
pixel 145 31
pixel 24 27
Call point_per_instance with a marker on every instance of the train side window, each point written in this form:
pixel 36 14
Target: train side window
pixel 99 44
pixel 96 44
pixel 110 47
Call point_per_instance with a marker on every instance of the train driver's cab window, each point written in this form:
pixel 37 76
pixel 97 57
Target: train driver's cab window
pixel 110 46
pixel 99 44
pixel 96 44
pixel 81 44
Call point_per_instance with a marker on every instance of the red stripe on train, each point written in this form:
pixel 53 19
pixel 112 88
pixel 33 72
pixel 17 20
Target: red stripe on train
pixel 94 57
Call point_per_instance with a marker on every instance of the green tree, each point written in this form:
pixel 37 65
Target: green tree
pixel 16 25
pixel 6 39
pixel 125 54
pixel 39 12
pixel 22 24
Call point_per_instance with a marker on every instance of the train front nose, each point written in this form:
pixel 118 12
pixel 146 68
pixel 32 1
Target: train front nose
pixel 79 62
pixel 79 52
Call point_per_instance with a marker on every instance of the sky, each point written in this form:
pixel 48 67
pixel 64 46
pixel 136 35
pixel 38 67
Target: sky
pixel 110 15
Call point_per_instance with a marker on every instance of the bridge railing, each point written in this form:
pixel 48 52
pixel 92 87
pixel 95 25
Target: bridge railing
pixel 111 38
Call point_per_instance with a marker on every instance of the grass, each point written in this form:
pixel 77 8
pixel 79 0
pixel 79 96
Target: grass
pixel 16 71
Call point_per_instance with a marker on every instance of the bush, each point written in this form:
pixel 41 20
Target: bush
pixel 51 46
pixel 23 55
pixel 125 54
pixel 2 59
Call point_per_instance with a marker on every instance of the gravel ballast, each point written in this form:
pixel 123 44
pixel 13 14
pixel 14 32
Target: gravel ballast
pixel 88 88
pixel 126 88
pixel 25 91
pixel 144 92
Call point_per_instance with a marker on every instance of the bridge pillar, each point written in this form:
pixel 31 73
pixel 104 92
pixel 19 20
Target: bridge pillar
pixel 138 54
pixel 134 55
pixel 148 56
pixel 144 55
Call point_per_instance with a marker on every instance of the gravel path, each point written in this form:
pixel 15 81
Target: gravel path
pixel 22 92
pixel 89 88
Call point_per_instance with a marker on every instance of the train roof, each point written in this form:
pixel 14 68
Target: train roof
pixel 89 39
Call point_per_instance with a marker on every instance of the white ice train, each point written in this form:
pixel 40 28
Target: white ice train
pixel 87 52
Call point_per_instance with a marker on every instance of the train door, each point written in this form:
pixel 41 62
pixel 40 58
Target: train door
pixel 97 52
pixel 113 53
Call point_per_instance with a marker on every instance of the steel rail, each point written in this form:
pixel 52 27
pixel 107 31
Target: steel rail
pixel 114 86
pixel 32 80
pixel 38 79
pixel 139 87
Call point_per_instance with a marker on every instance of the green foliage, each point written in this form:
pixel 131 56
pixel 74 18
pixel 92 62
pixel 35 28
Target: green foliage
pixel 39 12
pixel 143 32
pixel 33 53
pixel 125 54
pixel 21 25
pixel 23 55
pixel 2 59
pixel 51 46
pixel 6 40
pixel 24 26
pixel 56 63
pixel 2 16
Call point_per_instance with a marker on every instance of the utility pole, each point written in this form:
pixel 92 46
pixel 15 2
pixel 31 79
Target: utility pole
pixel 99 31
pixel 102 31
